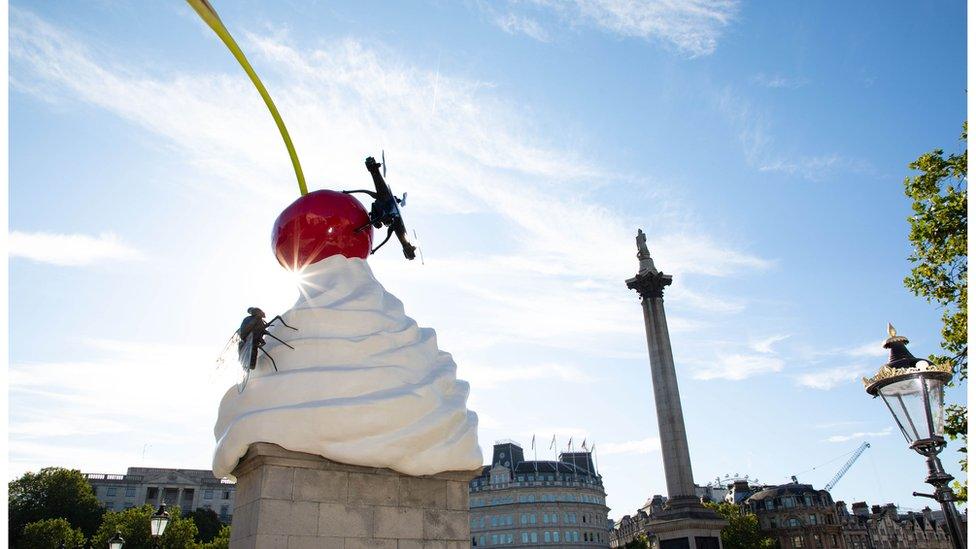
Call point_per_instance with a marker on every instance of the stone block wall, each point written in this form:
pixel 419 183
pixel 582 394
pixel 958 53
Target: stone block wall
pixel 292 500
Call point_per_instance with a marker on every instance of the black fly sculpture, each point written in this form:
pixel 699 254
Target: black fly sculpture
pixel 250 339
pixel 385 210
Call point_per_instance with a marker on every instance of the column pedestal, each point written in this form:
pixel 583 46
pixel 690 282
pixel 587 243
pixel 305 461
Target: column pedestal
pixel 292 500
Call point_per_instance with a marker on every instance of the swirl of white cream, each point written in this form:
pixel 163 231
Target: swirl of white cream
pixel 363 386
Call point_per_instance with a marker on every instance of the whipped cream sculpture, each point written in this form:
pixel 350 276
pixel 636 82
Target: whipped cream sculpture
pixel 355 379
pixel 364 385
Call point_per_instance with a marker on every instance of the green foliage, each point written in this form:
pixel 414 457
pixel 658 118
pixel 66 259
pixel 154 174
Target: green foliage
pixel 51 493
pixel 742 532
pixel 221 541
pixel 50 534
pixel 939 259
pixel 208 523
pixel 640 541
pixel 133 523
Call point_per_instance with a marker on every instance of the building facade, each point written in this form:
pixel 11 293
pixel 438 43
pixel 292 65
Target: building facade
pixel 885 528
pixel 519 503
pixel 187 488
pixel 798 516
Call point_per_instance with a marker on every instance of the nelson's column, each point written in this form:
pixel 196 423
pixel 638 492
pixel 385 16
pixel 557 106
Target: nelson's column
pixel 685 522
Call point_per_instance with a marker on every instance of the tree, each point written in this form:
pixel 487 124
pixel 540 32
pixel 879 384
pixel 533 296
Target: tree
pixel 937 233
pixel 52 493
pixel 133 523
pixel 742 532
pixel 50 534
pixel 640 541
pixel 208 523
pixel 221 541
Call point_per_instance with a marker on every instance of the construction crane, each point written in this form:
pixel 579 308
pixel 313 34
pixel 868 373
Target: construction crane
pixel 857 453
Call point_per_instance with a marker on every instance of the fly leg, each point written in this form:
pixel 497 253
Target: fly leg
pixel 389 233
pixel 261 348
pixel 279 341
pixel 282 323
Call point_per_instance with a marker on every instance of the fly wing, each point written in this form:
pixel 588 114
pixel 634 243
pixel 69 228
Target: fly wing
pixel 221 373
pixel 246 352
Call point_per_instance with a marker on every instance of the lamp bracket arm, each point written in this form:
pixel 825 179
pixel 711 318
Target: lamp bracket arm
pixel 920 495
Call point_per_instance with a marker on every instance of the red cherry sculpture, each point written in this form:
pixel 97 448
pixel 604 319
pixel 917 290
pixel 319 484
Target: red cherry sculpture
pixel 318 225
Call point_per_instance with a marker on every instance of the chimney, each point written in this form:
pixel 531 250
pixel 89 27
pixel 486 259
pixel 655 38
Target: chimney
pixel 860 508
pixel 875 509
pixel 891 510
pixel 927 513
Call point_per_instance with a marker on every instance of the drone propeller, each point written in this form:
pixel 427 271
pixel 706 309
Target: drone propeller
pixel 383 159
pixel 416 239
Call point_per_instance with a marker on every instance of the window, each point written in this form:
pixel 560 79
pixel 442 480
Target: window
pixel 794 522
pixel 524 519
pixel 813 519
pixel 788 502
pixel 769 505
pixel 226 495
pixel 525 537
pixel 797 542
pixel 208 493
pixel 555 536
pixel 130 491
pixel 833 540
pixel 545 518
pixel 223 511
pixel 494 539
pixel 481 540
pixel 547 536
pixel 534 537
pixel 817 542
pixel 807 500
pixel 494 521
pixel 111 491
pixel 532 518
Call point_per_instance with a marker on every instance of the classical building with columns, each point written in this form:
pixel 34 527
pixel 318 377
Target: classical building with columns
pixel 519 503
pixel 186 488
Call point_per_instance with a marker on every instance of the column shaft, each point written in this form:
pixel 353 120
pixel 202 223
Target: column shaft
pixel 670 420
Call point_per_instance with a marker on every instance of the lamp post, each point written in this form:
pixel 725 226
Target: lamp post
pixel 158 523
pixel 117 541
pixel 913 390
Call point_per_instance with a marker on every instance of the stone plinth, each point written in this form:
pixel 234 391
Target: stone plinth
pixel 292 500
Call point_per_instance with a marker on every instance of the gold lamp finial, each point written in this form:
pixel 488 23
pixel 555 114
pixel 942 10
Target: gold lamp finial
pixel 891 330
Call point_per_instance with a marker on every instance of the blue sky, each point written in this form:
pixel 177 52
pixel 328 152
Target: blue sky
pixel 761 146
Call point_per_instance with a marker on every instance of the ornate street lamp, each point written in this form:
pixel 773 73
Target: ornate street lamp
pixel 159 522
pixel 912 389
pixel 117 541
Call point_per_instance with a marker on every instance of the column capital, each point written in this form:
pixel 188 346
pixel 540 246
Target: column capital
pixel 649 283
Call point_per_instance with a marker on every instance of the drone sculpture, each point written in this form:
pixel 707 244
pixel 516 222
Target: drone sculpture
pixel 385 210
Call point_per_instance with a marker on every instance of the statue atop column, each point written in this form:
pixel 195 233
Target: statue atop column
pixel 643 255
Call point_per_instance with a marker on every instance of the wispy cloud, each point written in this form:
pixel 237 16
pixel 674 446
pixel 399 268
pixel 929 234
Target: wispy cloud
pixel 642 446
pixel 865 434
pixel 486 377
pixel 779 81
pixel 517 24
pixel 754 130
pixel 737 367
pixel 829 378
pixel 69 249
pixel 693 27
pixel 765 346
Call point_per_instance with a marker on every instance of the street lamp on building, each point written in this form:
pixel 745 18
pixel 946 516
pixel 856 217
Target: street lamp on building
pixel 159 522
pixel 117 541
pixel 912 390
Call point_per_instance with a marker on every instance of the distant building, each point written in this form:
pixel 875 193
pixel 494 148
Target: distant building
pixel 187 488
pixel 734 490
pixel 884 528
pixel 798 516
pixel 519 503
